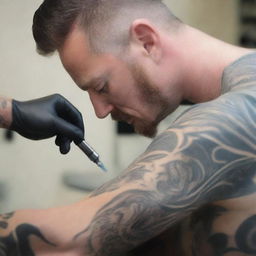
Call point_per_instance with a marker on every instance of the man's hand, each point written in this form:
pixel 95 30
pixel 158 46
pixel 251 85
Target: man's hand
pixel 46 117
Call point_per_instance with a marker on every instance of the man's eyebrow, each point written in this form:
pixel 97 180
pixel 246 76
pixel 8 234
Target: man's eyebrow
pixel 86 85
pixel 93 82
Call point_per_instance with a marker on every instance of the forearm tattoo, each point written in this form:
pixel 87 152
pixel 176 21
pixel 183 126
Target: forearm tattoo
pixel 208 154
pixel 3 107
pixel 17 242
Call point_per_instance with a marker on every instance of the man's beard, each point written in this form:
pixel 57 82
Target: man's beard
pixel 151 96
pixel 145 128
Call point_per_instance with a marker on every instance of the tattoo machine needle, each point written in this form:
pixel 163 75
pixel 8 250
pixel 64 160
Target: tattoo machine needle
pixel 91 154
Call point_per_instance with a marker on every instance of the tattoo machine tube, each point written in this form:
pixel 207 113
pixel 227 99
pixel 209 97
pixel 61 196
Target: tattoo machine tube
pixel 91 154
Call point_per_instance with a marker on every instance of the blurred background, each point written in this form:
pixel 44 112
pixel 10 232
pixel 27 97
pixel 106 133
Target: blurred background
pixel 34 174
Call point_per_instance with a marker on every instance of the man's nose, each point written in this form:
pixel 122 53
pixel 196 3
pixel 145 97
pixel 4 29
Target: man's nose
pixel 101 105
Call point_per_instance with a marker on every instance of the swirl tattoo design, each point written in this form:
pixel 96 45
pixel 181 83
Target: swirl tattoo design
pixel 208 154
pixel 17 242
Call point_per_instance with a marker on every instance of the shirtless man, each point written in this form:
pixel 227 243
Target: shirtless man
pixel 193 190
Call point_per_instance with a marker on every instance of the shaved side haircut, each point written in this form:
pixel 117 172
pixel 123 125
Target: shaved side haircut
pixel 106 22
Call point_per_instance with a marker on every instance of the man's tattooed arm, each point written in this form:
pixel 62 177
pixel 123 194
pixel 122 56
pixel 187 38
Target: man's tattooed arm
pixel 5 112
pixel 209 154
pixel 44 232
pixel 18 240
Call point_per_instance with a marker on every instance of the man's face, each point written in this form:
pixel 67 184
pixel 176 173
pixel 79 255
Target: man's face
pixel 150 97
pixel 115 87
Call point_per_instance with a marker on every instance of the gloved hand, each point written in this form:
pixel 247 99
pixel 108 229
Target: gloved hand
pixel 46 117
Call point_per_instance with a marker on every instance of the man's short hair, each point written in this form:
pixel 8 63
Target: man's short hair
pixel 106 22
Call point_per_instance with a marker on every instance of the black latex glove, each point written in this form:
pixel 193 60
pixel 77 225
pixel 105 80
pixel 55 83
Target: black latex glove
pixel 46 117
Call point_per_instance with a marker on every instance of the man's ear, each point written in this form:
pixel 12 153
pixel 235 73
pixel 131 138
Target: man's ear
pixel 146 35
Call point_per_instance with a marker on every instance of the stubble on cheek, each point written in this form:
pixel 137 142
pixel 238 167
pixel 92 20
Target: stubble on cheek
pixel 149 95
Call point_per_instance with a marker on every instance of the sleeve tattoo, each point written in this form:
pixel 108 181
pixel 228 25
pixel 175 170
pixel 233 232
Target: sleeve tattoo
pixel 202 225
pixel 208 154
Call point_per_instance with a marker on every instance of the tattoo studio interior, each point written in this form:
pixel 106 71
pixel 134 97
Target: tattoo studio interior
pixel 34 175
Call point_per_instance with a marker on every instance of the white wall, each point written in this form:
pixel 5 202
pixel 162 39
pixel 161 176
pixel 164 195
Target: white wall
pixel 216 17
pixel 31 171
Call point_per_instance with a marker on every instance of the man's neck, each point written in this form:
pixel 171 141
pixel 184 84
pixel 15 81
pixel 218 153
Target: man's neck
pixel 205 59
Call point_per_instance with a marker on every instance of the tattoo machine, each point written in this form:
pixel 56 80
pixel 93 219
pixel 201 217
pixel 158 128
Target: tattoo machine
pixel 91 154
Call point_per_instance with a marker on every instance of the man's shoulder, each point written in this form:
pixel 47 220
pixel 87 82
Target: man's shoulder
pixel 240 74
